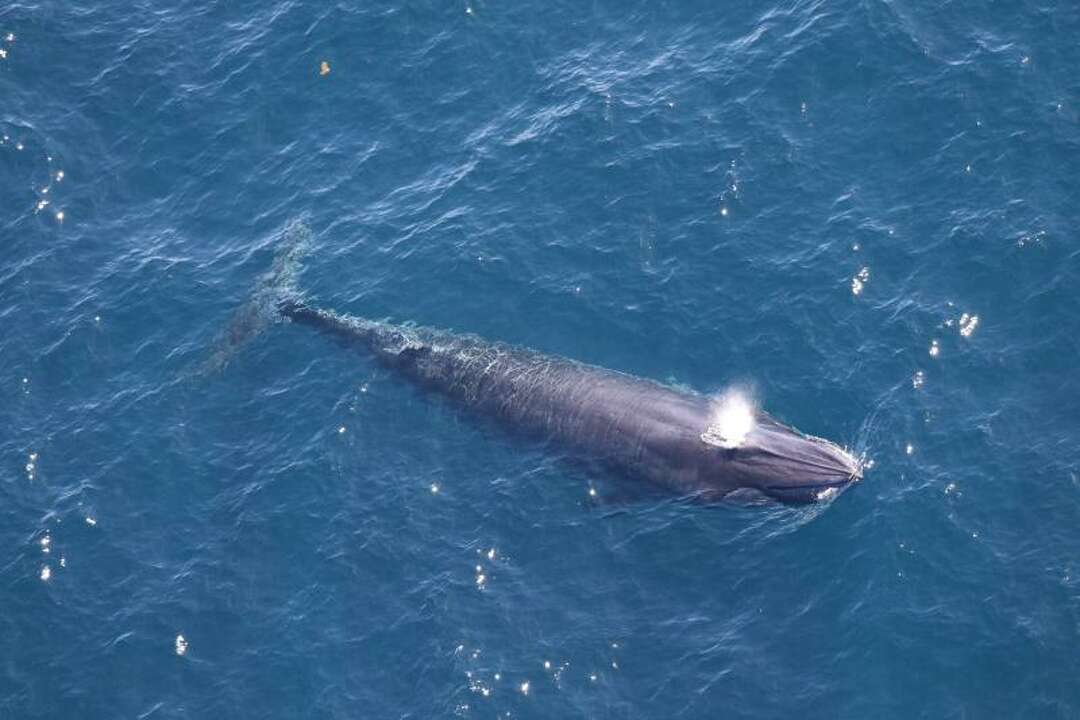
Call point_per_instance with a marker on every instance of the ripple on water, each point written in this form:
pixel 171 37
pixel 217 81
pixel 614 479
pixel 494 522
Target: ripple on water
pixel 693 192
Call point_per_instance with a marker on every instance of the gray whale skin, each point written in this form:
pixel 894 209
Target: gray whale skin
pixel 667 437
pixel 640 428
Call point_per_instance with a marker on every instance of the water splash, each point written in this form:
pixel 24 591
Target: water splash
pixel 731 421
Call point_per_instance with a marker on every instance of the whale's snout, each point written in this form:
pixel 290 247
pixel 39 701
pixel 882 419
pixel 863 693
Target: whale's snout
pixel 796 468
pixel 811 470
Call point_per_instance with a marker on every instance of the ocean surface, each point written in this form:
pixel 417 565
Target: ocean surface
pixel 863 212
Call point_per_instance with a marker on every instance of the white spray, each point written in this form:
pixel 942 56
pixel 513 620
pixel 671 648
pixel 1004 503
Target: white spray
pixel 731 420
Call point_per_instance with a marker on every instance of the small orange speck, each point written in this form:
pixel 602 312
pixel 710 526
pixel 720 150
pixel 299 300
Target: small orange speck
pixel 324 68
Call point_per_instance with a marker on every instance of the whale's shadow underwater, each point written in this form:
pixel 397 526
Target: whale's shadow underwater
pixel 691 445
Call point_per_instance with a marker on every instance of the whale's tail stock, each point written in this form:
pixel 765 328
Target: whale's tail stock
pixel 274 290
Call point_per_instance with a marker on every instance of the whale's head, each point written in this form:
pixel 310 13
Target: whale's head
pixel 748 449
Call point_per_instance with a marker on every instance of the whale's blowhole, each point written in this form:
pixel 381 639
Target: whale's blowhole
pixel 731 421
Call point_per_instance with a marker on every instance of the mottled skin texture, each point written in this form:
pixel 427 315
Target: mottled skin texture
pixel 643 429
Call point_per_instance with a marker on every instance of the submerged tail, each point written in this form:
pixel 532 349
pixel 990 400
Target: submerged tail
pixel 274 290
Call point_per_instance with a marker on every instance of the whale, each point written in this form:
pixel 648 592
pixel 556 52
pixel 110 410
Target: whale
pixel 708 448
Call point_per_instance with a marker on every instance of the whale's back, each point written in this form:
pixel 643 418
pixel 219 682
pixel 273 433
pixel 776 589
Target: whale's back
pixel 642 427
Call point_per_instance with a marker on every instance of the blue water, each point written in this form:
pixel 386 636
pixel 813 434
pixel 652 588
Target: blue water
pixel 809 199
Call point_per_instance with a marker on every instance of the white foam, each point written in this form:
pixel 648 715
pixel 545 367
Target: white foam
pixel 968 323
pixel 827 494
pixel 859 281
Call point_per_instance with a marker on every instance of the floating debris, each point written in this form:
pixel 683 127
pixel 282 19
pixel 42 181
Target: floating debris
pixel 46 573
pixel 935 349
pixel 324 68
